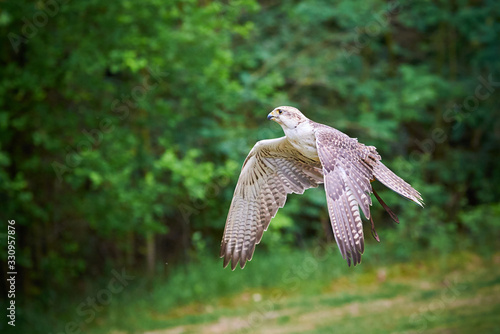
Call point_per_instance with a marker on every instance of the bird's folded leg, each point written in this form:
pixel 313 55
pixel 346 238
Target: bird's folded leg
pixel 389 211
pixel 374 233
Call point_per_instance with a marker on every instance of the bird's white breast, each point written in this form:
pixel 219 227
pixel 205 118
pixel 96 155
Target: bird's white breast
pixel 303 139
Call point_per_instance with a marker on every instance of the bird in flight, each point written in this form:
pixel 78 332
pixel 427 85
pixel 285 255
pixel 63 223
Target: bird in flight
pixel 309 154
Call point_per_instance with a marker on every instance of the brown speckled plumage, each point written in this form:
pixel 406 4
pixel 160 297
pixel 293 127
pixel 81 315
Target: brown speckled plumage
pixel 277 167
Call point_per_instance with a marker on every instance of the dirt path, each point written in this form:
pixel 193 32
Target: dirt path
pixel 451 306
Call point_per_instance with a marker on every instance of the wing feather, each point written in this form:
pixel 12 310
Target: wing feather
pixel 360 191
pixel 347 169
pixel 273 169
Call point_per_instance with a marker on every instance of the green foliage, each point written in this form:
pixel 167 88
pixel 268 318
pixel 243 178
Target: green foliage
pixel 123 127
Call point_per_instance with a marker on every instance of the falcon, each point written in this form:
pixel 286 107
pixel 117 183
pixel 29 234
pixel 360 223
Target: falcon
pixel 309 154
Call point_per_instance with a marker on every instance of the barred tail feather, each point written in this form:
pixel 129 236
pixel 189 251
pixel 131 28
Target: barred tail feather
pixel 395 183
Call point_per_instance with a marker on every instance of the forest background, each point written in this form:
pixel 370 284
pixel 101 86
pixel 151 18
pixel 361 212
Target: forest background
pixel 123 127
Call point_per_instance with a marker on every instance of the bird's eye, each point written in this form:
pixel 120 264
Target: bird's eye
pixel 280 111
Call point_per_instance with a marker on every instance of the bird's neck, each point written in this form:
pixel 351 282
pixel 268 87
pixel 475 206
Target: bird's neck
pixel 303 139
pixel 302 129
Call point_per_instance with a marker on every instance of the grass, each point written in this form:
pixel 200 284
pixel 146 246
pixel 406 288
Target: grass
pixel 300 292
pixel 295 291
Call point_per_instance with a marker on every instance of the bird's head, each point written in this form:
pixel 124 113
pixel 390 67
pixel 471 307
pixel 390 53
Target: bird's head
pixel 287 117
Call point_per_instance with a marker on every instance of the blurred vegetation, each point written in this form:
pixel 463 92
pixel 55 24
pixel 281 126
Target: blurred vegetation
pixel 123 126
pixel 455 293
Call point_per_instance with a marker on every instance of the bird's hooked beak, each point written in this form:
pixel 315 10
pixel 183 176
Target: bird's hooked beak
pixel 272 115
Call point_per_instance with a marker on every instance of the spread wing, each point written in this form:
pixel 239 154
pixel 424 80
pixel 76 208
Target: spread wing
pixel 348 169
pixel 273 169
